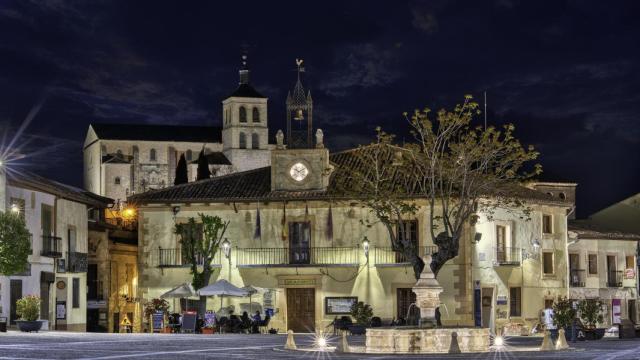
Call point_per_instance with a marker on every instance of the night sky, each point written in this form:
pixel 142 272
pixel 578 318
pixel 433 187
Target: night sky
pixel 566 73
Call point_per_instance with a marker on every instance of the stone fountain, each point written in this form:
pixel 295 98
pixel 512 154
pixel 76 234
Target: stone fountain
pixel 427 338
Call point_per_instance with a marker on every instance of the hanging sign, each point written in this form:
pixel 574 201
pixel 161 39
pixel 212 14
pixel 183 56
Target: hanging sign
pixel 61 310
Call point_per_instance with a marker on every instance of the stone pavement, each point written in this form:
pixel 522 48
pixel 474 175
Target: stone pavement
pixel 64 345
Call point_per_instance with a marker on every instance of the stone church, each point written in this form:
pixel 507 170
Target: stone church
pixel 125 159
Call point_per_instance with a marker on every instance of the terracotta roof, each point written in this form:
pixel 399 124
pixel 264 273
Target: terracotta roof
pixel 148 132
pixel 588 230
pixel 255 185
pixel 36 182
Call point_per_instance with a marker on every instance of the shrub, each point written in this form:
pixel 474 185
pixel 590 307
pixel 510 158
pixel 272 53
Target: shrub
pixel 15 244
pixel 362 313
pixel 591 312
pixel 28 308
pixel 156 305
pixel 563 312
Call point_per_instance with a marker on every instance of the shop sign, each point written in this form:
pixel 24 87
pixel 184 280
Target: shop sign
pixel 298 282
pixel 629 274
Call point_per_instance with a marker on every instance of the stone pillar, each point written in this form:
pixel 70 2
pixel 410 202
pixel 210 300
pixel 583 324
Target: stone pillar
pixel 427 290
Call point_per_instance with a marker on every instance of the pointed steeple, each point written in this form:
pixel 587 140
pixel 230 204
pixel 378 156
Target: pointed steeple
pixel 244 70
pixel 299 110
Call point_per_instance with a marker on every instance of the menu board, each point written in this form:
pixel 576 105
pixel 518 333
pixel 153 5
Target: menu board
pixel 158 320
pixel 210 319
pixel 339 305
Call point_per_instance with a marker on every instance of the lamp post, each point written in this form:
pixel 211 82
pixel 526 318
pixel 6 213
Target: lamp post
pixel 365 247
pixel 226 249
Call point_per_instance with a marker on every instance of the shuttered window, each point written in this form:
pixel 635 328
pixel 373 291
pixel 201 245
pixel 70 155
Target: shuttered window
pixel 515 301
pixel 76 292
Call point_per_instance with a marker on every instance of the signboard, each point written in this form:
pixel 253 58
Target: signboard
pixel 267 299
pixel 61 310
pixel 61 265
pixel 616 310
pixel 629 274
pixel 294 282
pixel 339 305
pixel 501 300
pixel 158 321
pixel 210 319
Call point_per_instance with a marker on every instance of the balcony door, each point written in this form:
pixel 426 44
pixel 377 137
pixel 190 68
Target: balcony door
pixel 410 233
pixel 501 243
pixel 300 242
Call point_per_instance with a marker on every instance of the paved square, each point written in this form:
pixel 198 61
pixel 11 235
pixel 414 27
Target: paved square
pixel 62 345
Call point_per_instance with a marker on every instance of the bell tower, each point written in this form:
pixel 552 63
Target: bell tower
pixel 245 133
pixel 299 165
pixel 299 115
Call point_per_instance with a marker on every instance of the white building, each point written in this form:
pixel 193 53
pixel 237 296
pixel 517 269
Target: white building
pixel 57 217
pixel 124 159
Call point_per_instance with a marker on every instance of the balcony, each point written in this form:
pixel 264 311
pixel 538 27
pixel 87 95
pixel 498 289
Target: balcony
pixel 614 278
pixel 298 257
pixel 77 262
pixel 51 246
pixel 508 256
pixel 173 258
pixel 386 256
pixel 577 277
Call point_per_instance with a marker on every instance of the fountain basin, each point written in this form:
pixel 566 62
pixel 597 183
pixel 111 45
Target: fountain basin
pixel 425 341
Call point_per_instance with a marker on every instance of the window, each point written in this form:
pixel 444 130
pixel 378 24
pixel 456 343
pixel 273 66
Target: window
pixel 547 262
pixel 255 141
pixel 152 155
pixel 299 242
pixel 71 238
pixel 501 243
pixel 76 292
pixel 243 141
pixel 46 218
pixel 593 264
pixel 117 180
pixel 243 114
pixel 515 301
pixel 256 115
pixel 189 155
pixel 631 262
pixel 562 196
pixel 547 225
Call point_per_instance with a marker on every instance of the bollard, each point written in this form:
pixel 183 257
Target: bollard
pixel 454 348
pixel 547 344
pixel 291 343
pixel 343 345
pixel 561 344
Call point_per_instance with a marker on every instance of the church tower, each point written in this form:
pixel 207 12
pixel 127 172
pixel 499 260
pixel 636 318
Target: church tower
pixel 299 165
pixel 244 131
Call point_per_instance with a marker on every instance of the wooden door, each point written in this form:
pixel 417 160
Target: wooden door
pixel 15 294
pixel 301 309
pixel 487 306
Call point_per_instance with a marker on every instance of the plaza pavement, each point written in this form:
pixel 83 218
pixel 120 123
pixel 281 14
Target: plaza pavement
pixel 65 345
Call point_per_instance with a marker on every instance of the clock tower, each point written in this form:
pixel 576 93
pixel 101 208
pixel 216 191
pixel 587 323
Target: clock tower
pixel 300 165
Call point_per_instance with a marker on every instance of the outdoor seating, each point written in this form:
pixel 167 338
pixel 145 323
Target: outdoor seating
pixel 264 324
pixel 174 322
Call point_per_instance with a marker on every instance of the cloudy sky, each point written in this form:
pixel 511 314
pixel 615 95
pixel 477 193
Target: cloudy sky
pixel 566 73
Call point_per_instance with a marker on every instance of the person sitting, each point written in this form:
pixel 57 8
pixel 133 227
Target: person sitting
pixel 245 321
pixel 257 321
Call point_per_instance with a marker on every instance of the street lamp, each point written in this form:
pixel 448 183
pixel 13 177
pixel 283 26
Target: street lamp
pixel 226 248
pixel 15 209
pixel 365 247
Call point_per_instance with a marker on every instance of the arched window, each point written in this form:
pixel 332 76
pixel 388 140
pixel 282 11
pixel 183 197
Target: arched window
pixel 117 180
pixel 256 115
pixel 152 155
pixel 550 194
pixel 243 141
pixel 189 155
pixel 243 114
pixel 255 141
pixel 562 196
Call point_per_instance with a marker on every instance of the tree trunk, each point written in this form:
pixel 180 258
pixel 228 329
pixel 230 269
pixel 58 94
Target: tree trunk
pixel 448 247
pixel 205 276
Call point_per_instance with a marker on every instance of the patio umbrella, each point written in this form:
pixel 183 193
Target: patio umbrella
pixel 183 291
pixel 222 288
pixel 252 289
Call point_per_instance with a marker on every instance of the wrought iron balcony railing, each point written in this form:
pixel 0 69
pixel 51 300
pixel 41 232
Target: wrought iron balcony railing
pixel 386 256
pixel 51 246
pixel 77 262
pixel 508 256
pixel 175 258
pixel 577 277
pixel 614 278
pixel 298 256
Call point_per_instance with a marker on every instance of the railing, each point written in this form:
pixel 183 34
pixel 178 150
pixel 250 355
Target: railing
pixel 508 256
pixel 298 256
pixel 577 278
pixel 614 278
pixel 77 262
pixel 175 258
pixel 387 256
pixel 51 246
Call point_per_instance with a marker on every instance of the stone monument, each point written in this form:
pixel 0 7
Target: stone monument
pixel 427 291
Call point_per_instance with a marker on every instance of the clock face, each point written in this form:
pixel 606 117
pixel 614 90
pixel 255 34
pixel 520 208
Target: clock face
pixel 298 171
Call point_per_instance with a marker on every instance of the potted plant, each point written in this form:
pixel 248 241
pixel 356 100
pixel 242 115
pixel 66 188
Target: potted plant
pixel 362 313
pixel 28 308
pixel 591 314
pixel 563 316
pixel 156 306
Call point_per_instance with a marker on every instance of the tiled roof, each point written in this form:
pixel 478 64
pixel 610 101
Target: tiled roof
pixel 255 185
pixel 147 132
pixel 588 230
pixel 32 181
pixel 246 91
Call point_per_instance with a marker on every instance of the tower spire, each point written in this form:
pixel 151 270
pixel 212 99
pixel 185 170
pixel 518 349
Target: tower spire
pixel 244 69
pixel 299 109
